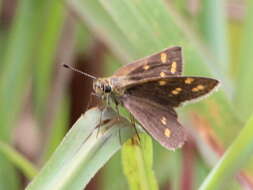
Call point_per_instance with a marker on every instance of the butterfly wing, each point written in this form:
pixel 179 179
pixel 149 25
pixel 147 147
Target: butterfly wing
pixel 159 121
pixel 172 91
pixel 169 61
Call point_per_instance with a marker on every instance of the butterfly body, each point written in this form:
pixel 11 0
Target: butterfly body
pixel 150 89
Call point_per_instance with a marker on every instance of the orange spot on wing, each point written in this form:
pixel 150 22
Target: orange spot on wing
pixel 176 91
pixel 173 67
pixel 162 74
pixel 188 80
pixel 164 120
pixel 146 67
pixel 195 90
pixel 167 132
pixel 163 57
pixel 162 82
pixel 200 87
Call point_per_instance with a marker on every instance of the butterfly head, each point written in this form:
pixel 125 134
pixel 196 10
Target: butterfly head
pixel 102 86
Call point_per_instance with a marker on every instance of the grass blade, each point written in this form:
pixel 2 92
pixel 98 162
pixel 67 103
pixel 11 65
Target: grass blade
pixel 244 93
pixel 18 160
pixel 153 25
pixel 58 129
pixel 104 27
pixel 51 24
pixel 234 158
pixel 214 25
pixel 82 153
pixel 137 161
pixel 17 62
pixel 14 76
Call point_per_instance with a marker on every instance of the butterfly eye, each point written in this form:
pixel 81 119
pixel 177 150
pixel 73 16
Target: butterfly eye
pixel 107 89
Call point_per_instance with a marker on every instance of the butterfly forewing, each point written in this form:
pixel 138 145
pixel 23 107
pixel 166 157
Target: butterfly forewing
pixel 159 121
pixel 169 61
pixel 172 91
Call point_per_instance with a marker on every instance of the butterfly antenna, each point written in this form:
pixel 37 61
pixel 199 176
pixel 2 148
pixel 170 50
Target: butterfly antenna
pixel 78 71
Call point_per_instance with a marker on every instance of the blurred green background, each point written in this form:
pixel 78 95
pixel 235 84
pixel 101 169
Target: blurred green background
pixel 40 100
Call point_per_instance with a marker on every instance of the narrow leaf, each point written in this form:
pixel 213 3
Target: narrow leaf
pixel 214 25
pixel 18 160
pixel 234 158
pixel 99 22
pixel 83 151
pixel 244 92
pixel 137 159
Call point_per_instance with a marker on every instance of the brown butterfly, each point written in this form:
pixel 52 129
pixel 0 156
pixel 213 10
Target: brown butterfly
pixel 150 89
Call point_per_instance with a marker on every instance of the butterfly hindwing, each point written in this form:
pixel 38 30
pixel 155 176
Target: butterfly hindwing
pixel 169 61
pixel 159 121
pixel 172 91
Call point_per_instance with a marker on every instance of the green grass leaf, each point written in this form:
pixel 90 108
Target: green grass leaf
pixel 15 73
pixel 214 24
pixel 58 129
pixel 153 25
pixel 17 63
pixel 244 92
pixel 82 153
pixel 51 25
pixel 18 160
pixel 137 160
pixel 100 23
pixel 236 156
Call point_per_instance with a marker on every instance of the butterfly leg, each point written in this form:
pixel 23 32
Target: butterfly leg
pixel 106 100
pixel 100 121
pixel 118 114
pixel 120 139
pixel 132 119
pixel 117 109
pixel 116 106
pixel 118 118
pixel 90 100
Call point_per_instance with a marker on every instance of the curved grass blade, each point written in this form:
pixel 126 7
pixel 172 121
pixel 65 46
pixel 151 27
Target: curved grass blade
pixel 82 153
pixel 234 158
pixel 99 21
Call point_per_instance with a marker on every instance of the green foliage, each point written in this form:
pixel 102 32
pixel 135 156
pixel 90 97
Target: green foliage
pixel 24 165
pixel 234 158
pixel 83 151
pixel 51 25
pixel 137 160
pixel 15 76
pixel 244 93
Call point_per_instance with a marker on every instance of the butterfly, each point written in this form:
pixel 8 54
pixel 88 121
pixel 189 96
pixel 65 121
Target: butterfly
pixel 151 88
